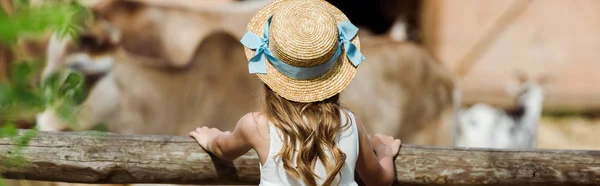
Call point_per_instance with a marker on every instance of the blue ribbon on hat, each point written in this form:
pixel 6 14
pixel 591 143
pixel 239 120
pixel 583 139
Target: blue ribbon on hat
pixel 257 63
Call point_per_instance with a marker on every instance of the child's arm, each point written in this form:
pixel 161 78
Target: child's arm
pixel 376 168
pixel 226 145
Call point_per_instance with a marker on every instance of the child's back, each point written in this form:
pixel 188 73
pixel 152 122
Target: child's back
pixel 273 171
pixel 305 52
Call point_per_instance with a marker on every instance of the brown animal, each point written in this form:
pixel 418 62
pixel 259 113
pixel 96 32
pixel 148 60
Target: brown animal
pixel 147 87
pixel 403 91
pixel 411 95
pixel 139 99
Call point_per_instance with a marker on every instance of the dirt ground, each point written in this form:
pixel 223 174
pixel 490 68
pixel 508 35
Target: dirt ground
pixel 569 133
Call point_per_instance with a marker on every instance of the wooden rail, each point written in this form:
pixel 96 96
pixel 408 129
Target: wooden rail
pixel 84 157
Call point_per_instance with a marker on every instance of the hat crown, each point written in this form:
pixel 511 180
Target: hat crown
pixel 303 34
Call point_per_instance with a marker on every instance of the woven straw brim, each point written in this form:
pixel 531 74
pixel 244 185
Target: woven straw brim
pixel 310 90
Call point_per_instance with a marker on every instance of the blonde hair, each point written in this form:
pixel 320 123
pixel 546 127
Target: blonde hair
pixel 312 127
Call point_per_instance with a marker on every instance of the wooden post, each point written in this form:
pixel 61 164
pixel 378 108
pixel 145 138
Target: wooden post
pixel 85 157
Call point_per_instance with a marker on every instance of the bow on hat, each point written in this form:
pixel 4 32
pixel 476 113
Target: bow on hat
pixel 257 64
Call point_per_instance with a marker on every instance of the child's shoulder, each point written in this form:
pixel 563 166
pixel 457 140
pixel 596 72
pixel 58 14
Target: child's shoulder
pixel 255 127
pixel 254 118
pixel 252 121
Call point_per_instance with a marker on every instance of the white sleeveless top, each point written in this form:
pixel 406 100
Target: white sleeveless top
pixel 272 172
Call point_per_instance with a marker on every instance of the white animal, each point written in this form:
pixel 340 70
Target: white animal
pixel 484 126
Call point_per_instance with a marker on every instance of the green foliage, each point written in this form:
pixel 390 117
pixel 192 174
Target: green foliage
pixel 64 95
pixel 28 21
pixel 22 95
pixel 23 140
pixel 9 130
pixel 15 160
pixel 19 94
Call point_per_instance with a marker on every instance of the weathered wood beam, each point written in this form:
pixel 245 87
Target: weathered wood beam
pixel 85 157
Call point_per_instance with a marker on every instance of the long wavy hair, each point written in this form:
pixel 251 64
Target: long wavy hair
pixel 310 132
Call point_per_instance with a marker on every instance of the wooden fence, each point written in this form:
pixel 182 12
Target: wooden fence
pixel 86 157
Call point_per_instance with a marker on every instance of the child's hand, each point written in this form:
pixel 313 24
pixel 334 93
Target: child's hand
pixel 385 145
pixel 204 136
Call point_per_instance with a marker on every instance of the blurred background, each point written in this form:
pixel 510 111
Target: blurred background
pixel 477 46
pixel 168 66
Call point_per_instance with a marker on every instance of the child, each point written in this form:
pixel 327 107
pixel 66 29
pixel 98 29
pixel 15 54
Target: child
pixel 305 52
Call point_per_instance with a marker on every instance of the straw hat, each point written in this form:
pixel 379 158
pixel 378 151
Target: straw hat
pixel 310 52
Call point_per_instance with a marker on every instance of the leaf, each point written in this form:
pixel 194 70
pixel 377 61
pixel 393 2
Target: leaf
pixel 15 160
pixel 26 137
pixel 36 20
pixel 101 127
pixel 5 96
pixel 24 2
pixel 28 98
pixel 73 88
pixel 8 130
pixel 21 73
pixel 50 86
pixel 74 80
pixel 66 111
pixel 19 4
pixel 52 80
pixel 21 96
